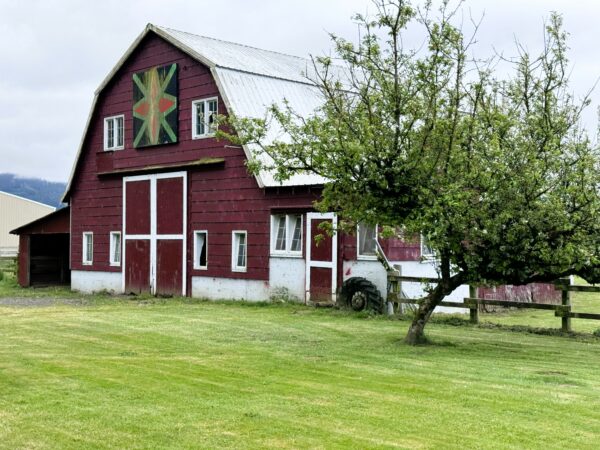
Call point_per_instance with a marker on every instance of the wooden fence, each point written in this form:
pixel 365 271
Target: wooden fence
pixel 473 303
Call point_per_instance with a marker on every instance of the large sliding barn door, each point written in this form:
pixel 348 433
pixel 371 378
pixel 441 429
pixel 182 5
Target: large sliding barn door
pixel 321 259
pixel 154 212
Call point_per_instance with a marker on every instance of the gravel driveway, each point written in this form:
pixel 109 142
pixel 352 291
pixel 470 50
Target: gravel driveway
pixel 24 302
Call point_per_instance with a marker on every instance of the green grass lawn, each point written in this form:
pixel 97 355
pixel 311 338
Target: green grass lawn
pixel 146 373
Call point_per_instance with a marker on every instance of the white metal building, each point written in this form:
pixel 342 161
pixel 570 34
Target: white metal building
pixel 16 211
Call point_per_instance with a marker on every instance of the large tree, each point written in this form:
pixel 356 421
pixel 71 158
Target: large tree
pixel 496 172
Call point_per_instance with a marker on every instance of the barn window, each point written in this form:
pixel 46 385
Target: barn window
pixel 115 248
pixel 286 234
pixel 200 249
pixel 426 250
pixel 239 251
pixel 88 248
pixel 114 131
pixel 204 114
pixel 367 241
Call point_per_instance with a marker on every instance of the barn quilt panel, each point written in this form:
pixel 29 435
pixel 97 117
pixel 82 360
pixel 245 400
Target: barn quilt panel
pixel 155 106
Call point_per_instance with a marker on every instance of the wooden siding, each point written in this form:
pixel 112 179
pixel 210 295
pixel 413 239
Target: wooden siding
pixel 221 199
pixel 535 293
pixel 23 260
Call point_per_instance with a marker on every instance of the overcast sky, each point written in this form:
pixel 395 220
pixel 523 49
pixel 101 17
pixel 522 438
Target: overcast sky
pixel 54 53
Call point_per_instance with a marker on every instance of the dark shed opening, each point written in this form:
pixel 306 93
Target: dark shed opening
pixel 44 250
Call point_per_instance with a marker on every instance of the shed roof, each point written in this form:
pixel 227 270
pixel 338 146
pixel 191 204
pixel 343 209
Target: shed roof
pixel 56 222
pixel 249 80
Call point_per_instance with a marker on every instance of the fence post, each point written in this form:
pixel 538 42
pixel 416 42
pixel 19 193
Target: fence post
pixel 396 287
pixel 393 288
pixel 473 312
pixel 566 301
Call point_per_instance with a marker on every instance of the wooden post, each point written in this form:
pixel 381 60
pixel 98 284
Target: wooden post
pixel 393 284
pixel 566 301
pixel 473 312
pixel 398 268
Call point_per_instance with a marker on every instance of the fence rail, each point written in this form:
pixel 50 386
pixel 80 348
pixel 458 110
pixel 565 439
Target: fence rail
pixel 563 311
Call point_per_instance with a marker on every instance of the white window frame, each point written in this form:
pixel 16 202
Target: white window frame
pixel 234 251
pixel 366 257
pixel 111 259
pixel 197 265
pixel 86 259
pixel 289 235
pixel 113 119
pixel 426 252
pixel 207 133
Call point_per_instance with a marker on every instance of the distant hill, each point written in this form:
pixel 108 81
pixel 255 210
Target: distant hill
pixel 42 191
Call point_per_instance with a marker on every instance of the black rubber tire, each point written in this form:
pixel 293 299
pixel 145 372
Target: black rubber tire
pixel 359 294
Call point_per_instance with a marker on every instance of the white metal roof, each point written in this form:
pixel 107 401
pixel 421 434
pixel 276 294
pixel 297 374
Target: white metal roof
pixel 249 80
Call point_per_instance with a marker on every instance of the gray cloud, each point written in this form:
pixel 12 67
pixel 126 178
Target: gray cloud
pixel 55 53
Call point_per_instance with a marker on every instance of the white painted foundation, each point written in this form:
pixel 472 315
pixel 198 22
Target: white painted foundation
pixel 89 281
pixel 288 275
pixel 371 270
pixel 230 289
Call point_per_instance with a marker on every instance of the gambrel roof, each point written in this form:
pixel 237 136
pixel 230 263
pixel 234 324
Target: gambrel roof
pixel 249 80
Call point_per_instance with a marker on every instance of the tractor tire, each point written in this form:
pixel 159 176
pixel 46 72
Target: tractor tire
pixel 359 294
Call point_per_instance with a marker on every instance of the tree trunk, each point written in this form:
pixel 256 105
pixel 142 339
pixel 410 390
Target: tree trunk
pixel 416 331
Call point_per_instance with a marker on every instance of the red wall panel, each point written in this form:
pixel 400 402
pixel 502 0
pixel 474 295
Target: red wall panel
pixel 137 216
pixel 168 267
pixel 169 206
pixel 137 270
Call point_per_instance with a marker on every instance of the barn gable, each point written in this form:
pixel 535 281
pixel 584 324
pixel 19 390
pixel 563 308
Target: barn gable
pixel 248 81
pixel 194 186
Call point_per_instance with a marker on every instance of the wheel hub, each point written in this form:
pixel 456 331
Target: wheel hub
pixel 358 301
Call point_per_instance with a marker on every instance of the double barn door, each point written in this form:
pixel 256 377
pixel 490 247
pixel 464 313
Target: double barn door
pixel 154 230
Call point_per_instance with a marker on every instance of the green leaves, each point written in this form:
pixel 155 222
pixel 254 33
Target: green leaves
pixel 496 173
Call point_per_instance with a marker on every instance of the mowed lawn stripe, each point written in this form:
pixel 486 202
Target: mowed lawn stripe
pixel 180 375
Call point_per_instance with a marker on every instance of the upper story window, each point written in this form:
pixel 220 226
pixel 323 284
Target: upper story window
pixel 367 241
pixel 114 132
pixel 87 248
pixel 204 117
pixel 286 234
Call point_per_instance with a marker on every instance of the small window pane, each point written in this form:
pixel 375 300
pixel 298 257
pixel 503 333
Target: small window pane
pixel 201 249
pixel 88 248
pixel 297 234
pixel 200 129
pixel 119 121
pixel 110 134
pixel 367 238
pixel 241 248
pixel 281 238
pixel 212 108
pixel 115 246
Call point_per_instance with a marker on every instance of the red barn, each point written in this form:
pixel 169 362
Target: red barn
pixel 159 205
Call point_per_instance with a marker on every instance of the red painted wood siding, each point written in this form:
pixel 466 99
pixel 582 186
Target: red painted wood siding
pixel 23 260
pixel 137 218
pixel 169 206
pixel 535 292
pixel 137 273
pixel 220 200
